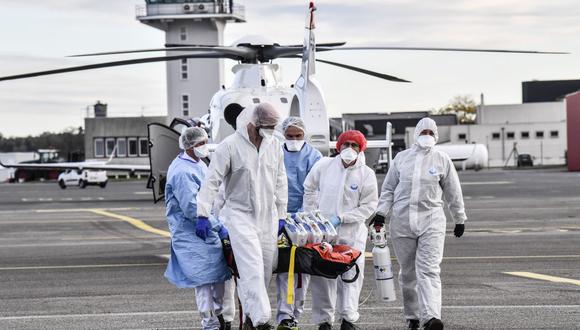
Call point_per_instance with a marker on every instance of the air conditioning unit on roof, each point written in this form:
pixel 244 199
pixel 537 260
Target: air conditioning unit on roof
pixel 188 7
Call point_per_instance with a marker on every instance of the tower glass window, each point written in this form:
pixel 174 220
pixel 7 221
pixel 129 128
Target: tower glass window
pixel 184 69
pixel 183 33
pixel 185 104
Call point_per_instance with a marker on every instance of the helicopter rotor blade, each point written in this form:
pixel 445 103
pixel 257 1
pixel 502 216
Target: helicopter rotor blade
pixel 218 49
pixel 364 71
pixel 435 49
pixel 119 63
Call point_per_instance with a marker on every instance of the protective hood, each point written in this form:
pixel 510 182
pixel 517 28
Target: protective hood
pixel 423 124
pixel 242 122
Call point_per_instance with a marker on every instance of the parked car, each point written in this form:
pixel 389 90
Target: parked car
pixel 525 160
pixel 82 178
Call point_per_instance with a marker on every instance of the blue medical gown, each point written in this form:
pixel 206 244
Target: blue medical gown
pixel 298 165
pixel 194 262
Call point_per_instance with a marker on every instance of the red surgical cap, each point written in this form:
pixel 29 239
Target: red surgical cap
pixel 352 135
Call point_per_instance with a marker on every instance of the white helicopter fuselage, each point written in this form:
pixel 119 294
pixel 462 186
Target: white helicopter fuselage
pixel 252 84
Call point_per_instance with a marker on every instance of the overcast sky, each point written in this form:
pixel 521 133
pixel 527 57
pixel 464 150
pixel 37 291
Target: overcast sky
pixel 38 35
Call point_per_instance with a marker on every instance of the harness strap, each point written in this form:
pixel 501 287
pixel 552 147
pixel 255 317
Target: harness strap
pixel 290 293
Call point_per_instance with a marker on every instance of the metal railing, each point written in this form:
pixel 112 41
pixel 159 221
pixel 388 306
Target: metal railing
pixel 212 8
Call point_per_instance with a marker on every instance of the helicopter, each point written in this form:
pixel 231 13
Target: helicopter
pixel 256 79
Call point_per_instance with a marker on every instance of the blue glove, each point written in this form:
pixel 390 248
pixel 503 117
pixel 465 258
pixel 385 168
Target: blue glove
pixel 202 227
pixel 335 221
pixel 281 224
pixel 223 233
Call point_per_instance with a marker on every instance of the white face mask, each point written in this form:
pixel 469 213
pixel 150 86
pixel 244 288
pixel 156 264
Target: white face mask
pixel 294 145
pixel 348 155
pixel 266 132
pixel 201 151
pixel 426 141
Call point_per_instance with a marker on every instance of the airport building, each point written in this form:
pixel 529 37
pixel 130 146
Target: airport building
pixel 125 137
pixel 538 129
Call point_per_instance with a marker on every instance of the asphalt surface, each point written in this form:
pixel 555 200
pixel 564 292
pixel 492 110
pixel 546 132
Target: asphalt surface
pixel 64 264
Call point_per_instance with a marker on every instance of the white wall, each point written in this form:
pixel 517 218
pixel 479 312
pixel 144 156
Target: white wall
pixel 502 120
pixel 545 151
pixel 523 113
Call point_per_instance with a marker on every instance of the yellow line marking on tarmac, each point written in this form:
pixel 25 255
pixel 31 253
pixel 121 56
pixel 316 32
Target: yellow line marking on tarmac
pixel 544 277
pixel 132 221
pixel 81 210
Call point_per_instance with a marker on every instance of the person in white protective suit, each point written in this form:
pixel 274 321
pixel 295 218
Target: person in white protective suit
pixel 197 259
pixel 299 158
pixel 416 184
pixel 345 191
pixel 250 163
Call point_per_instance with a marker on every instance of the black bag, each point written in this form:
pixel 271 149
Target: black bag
pixel 317 259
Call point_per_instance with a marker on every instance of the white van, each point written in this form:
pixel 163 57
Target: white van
pixel 82 178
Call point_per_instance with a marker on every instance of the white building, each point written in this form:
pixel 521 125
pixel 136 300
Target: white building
pixel 191 83
pixel 538 129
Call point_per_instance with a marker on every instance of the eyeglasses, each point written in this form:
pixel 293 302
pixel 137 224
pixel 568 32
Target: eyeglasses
pixel 350 144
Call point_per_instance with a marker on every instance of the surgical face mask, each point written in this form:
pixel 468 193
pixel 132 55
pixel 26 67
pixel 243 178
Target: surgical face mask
pixel 201 151
pixel 426 141
pixel 266 132
pixel 348 155
pixel 294 145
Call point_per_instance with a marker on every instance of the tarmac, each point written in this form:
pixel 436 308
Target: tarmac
pixel 94 258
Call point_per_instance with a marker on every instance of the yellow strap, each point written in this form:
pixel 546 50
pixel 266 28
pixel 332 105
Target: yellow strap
pixel 290 295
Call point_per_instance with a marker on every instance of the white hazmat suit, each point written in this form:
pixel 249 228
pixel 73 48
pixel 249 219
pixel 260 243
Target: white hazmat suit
pixel 255 187
pixel 351 194
pixel 414 188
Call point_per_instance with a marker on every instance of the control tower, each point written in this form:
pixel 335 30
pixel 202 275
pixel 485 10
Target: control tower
pixel 191 82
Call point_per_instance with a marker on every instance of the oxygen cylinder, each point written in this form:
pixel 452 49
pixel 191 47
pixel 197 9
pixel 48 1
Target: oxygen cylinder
pixel 383 269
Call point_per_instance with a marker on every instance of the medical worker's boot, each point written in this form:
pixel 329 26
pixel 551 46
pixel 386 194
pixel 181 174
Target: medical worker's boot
pixel 265 326
pixel 325 326
pixel 287 324
pixel 433 324
pixel 345 325
pixel 413 324
pixel 248 324
pixel 223 324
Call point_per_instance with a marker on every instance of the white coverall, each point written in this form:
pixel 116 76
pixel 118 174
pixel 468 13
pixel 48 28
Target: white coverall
pixel 414 188
pixel 351 194
pixel 210 299
pixel 255 198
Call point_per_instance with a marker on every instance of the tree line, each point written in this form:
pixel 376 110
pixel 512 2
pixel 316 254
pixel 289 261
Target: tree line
pixel 69 141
